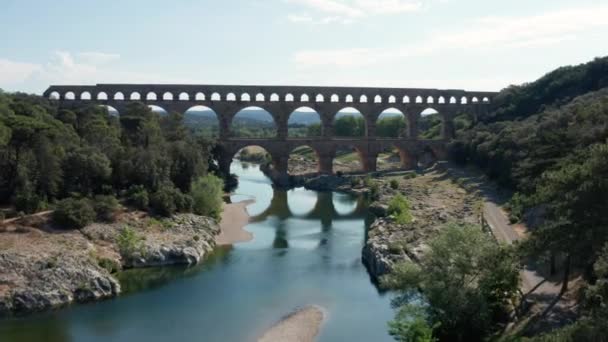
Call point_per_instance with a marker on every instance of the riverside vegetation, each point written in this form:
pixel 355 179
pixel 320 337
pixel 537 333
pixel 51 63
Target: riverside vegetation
pixel 106 192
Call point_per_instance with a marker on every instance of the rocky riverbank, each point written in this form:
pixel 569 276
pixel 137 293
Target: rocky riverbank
pixel 44 268
pixel 435 198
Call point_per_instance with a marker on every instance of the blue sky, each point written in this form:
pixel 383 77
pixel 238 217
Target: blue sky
pixel 464 44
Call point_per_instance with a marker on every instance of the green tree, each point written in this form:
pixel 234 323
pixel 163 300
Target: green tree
pixel 391 127
pixel 349 126
pixel 465 279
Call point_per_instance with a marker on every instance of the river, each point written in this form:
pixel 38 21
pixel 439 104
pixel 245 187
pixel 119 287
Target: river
pixel 306 250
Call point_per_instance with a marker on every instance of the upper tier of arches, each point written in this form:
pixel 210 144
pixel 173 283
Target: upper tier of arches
pixel 267 94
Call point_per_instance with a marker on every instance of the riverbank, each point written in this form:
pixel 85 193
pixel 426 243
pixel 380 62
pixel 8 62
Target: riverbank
pixel 43 267
pixel 435 198
pixel 300 326
pixel 233 221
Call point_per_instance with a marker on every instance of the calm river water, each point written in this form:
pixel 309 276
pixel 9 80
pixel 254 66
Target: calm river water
pixel 306 250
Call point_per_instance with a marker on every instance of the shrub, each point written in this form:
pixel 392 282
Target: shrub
pixel 137 196
pixel 28 202
pixel 129 242
pixel 207 195
pixel 169 200
pixel 399 208
pixel 74 213
pixel 374 191
pixel 394 184
pixel 162 201
pixel 110 265
pixel 367 181
pixel 354 182
pixel 105 207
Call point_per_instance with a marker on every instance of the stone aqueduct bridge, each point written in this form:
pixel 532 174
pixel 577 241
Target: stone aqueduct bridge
pixel 280 101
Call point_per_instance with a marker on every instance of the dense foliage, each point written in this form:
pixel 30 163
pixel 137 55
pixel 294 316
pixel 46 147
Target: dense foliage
pixel 466 281
pixel 548 142
pixel 48 154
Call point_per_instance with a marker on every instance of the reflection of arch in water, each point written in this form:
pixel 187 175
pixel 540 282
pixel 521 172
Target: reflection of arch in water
pixel 301 202
pixel 324 209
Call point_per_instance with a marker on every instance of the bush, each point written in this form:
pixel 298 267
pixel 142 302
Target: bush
pixel 394 184
pixel 207 195
pixel 169 200
pixel 367 181
pixel 105 207
pixel 137 196
pixel 399 208
pixel 74 213
pixel 354 182
pixel 110 265
pixel 129 242
pixel 28 202
pixel 374 191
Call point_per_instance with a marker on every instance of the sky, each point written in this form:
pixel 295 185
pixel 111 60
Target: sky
pixel 482 45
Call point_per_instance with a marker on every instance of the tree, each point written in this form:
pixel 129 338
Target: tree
pixel 207 194
pixel 391 127
pixel 349 126
pixel 465 280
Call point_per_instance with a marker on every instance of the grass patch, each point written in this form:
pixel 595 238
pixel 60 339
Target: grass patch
pixel 399 209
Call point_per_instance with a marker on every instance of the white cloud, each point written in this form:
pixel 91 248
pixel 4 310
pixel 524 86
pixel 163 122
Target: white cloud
pixel 299 18
pixel 16 72
pixel 65 67
pixel 485 33
pixel 348 10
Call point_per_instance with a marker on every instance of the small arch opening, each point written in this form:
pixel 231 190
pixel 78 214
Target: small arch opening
pixel 102 96
pixel 378 99
pixel 245 97
pixel 464 100
pixel 274 98
pixel 260 97
pixel 392 99
pixel 363 99
pixel 349 99
pixel 70 96
pixel 430 99
pixel 119 96
pixel 151 96
pixel 406 99
pixel 167 96
pixel 184 96
pixel 289 98
pixel 335 98
pixel 319 98
pixel 216 97
pixel 85 95
pixel 54 96
pixel 304 98
pixel 230 97
pixel 199 96
pixel 135 96
pixel 418 99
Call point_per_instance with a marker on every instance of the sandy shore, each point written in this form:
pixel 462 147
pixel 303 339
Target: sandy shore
pixel 234 219
pixel 300 326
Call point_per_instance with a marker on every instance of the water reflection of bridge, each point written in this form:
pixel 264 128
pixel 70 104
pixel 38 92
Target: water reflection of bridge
pixel 323 210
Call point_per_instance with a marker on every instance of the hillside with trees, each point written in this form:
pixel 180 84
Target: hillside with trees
pixel 81 161
pixel 546 141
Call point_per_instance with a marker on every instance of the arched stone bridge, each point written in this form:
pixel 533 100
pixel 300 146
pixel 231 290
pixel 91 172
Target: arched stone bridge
pixel 281 101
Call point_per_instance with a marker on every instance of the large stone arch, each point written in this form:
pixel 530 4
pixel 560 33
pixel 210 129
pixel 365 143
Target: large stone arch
pixel 242 111
pixel 307 116
pixel 358 113
pixel 315 156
